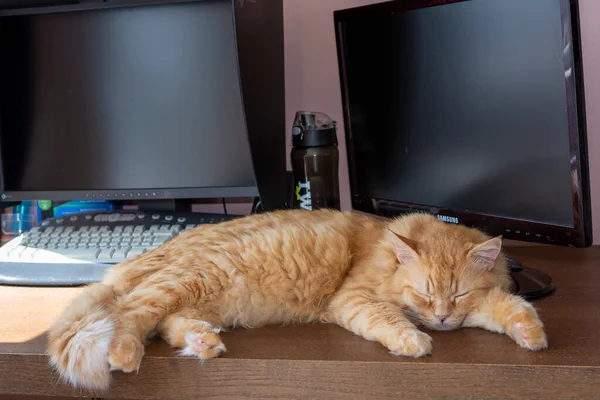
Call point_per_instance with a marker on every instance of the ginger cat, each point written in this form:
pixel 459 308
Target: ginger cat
pixel 377 278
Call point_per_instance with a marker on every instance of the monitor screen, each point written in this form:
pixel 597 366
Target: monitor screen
pixel 123 102
pixel 467 107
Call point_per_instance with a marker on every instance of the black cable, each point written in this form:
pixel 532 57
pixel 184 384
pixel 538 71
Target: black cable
pixel 256 206
pixel 224 206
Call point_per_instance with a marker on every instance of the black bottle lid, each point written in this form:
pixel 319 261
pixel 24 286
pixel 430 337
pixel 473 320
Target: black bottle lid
pixel 313 129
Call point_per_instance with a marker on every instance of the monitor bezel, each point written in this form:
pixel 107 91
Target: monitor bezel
pixel 164 193
pixel 580 235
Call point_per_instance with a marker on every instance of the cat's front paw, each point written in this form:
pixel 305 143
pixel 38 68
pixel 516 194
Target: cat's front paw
pixel 125 353
pixel 528 332
pixel 203 341
pixel 412 343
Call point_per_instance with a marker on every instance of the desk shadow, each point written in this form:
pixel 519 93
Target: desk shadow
pixel 37 345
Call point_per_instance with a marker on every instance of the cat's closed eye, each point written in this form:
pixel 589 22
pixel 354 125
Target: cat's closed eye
pixel 463 294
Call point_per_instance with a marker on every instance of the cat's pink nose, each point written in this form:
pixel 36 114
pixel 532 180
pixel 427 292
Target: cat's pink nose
pixel 442 318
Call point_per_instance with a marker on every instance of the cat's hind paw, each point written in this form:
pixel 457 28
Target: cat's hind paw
pixel 412 343
pixel 203 341
pixel 528 333
pixel 125 353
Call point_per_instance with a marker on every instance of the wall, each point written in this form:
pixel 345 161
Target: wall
pixel 311 69
pixel 312 79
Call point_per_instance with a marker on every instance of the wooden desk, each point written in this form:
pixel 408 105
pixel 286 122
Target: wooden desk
pixel 324 361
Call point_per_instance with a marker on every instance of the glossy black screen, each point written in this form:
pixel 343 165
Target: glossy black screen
pixel 463 106
pixel 124 98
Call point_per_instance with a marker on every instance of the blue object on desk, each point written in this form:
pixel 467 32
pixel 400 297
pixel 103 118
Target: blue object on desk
pixel 23 210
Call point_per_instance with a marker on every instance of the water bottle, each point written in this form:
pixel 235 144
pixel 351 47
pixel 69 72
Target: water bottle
pixel 315 161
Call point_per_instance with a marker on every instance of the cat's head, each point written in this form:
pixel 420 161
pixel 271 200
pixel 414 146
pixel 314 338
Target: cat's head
pixel 444 280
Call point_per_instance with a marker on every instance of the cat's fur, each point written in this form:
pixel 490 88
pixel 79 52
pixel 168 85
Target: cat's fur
pixel 376 278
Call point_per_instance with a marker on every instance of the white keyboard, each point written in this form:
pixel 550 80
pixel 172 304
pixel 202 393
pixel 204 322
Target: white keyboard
pixel 104 244
pixel 78 249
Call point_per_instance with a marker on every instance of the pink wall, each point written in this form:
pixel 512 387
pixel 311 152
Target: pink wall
pixel 312 79
pixel 311 69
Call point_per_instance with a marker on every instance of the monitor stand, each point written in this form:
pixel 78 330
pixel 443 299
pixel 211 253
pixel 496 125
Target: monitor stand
pixel 530 283
pixel 165 205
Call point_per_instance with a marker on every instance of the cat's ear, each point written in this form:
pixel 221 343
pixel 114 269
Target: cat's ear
pixel 404 248
pixel 484 255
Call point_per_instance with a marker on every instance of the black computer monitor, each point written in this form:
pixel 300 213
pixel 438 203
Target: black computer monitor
pixel 140 100
pixel 470 110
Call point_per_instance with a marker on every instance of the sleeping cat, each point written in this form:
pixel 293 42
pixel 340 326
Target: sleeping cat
pixel 377 278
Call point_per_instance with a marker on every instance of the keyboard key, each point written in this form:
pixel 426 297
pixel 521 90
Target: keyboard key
pixel 135 251
pixel 126 217
pixel 101 218
pixel 83 254
pixel 105 254
pixel 120 253
pixel 164 234
pixel 159 240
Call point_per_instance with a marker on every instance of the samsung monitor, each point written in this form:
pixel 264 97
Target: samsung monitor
pixel 469 110
pixel 139 100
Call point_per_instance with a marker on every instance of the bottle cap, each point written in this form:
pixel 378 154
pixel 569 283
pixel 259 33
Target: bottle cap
pixel 313 129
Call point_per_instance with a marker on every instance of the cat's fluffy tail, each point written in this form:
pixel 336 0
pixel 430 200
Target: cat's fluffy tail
pixel 78 341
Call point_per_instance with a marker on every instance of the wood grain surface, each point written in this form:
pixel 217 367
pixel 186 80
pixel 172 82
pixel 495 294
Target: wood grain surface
pixel 325 361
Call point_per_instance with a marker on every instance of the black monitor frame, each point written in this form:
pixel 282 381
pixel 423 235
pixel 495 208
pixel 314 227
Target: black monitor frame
pixel 258 30
pixel 580 235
